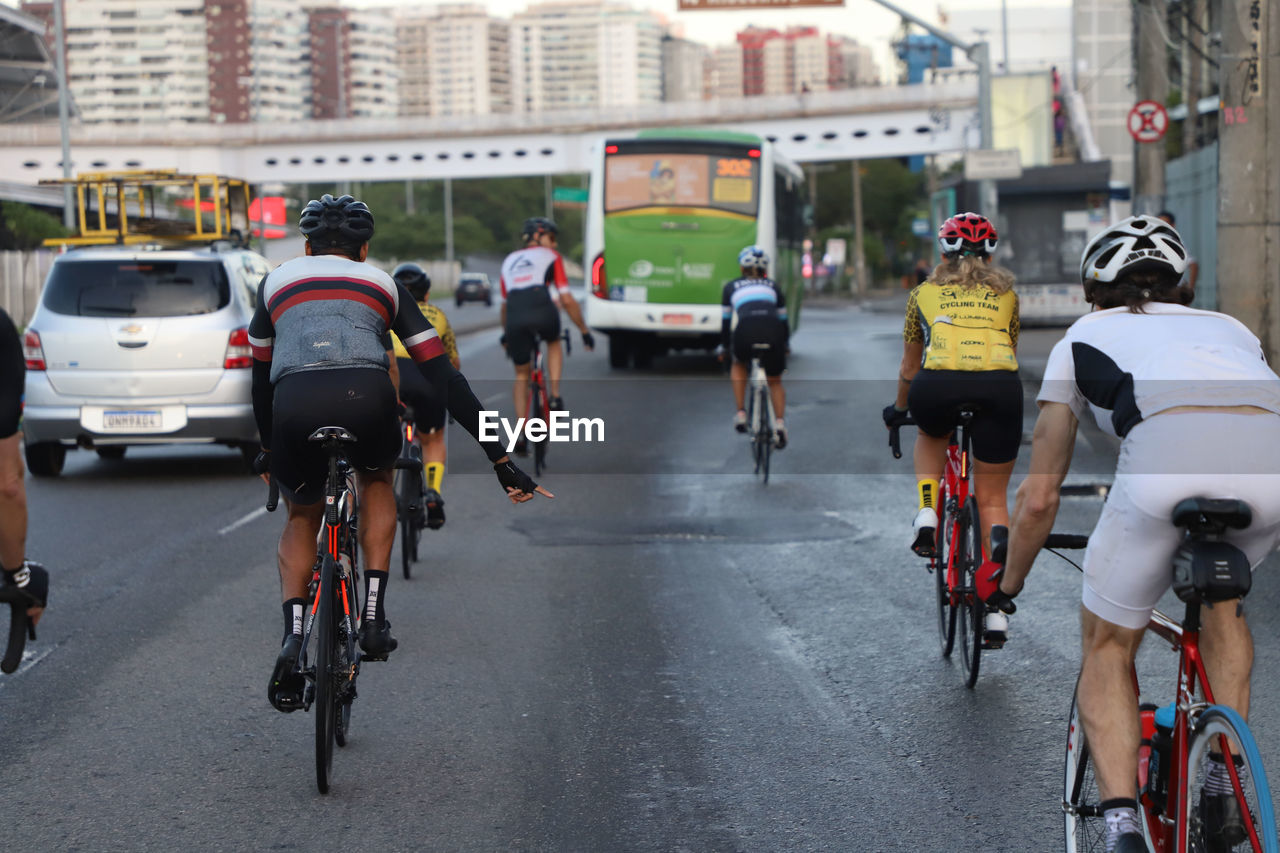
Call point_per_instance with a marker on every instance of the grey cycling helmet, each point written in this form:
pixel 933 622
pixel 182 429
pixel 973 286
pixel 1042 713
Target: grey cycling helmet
pixel 1136 244
pixel 535 225
pixel 414 279
pixel 330 222
pixel 754 258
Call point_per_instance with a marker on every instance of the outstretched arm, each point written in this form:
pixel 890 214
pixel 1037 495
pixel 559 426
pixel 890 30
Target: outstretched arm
pixel 1036 505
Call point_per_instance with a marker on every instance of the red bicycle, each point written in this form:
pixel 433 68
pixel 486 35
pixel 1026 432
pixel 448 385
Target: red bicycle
pixel 958 552
pixel 1178 814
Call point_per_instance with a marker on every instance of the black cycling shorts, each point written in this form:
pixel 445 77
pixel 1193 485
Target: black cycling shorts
pixel 937 396
pixel 360 399
pixel 13 376
pixel 531 315
pixel 416 392
pixel 766 331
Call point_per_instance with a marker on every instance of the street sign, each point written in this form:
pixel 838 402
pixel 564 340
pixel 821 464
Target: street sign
pixel 1148 121
pixel 992 165
pixel 920 226
pixel 720 5
pixel 569 194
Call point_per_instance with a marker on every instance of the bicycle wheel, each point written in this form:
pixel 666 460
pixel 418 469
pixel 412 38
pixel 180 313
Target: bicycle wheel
pixel 971 608
pixel 766 430
pixel 409 495
pixel 945 539
pixel 326 694
pixel 345 658
pixel 1206 828
pixel 1086 829
pixel 537 409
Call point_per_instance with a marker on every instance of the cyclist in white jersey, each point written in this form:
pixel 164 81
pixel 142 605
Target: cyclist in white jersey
pixel 1197 409
pixel 534 288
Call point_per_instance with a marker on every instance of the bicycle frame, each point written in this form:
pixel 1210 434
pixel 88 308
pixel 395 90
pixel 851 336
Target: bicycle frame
pixel 955 480
pixel 1185 640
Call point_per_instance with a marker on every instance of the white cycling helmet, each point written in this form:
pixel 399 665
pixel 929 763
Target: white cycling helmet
pixel 753 257
pixel 1135 244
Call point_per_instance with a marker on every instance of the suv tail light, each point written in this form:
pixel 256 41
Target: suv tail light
pixel 32 352
pixel 599 283
pixel 239 353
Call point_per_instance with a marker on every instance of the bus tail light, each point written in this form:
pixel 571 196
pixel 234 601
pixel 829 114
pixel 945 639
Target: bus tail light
pixel 599 284
pixel 32 351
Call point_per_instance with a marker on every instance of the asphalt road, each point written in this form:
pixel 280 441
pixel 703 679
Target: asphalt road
pixel 667 657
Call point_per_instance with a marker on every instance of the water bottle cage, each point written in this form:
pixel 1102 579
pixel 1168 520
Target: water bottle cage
pixel 1208 571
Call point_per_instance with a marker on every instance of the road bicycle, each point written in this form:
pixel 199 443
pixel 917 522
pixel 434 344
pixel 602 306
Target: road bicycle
pixel 330 657
pixel 958 551
pixel 411 493
pixel 539 402
pixel 20 627
pixel 760 419
pixel 1178 739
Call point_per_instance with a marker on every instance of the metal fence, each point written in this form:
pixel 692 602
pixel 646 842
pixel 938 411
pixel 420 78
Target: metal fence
pixel 1191 194
pixel 22 276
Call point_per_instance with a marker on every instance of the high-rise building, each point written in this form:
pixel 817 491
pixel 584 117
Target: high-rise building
pixel 684 69
pixel 794 61
pixel 851 64
pixel 353 63
pixel 183 60
pixel 585 55
pixel 454 59
pixel 726 74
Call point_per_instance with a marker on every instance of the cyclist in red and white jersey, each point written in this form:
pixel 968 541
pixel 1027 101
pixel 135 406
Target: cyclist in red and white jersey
pixel 534 288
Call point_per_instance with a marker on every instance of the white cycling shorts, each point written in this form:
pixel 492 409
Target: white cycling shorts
pixel 1128 564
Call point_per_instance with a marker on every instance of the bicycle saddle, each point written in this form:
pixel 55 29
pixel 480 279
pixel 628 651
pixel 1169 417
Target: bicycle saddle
pixel 1212 515
pixel 332 432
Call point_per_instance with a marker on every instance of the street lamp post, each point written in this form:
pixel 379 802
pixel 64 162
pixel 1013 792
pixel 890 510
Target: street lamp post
pixel 64 115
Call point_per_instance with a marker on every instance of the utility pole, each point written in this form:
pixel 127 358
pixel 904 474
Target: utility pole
pixel 1149 20
pixel 448 219
pixel 1248 174
pixel 64 115
pixel 1192 66
pixel 859 249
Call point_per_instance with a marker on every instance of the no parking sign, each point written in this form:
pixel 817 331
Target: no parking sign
pixel 1148 121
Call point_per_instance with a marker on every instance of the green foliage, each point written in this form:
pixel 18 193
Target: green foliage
pixel 23 226
pixel 891 195
pixel 487 215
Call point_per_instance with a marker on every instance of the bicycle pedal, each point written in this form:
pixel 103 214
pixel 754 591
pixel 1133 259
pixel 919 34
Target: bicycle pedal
pixel 993 644
pixel 365 656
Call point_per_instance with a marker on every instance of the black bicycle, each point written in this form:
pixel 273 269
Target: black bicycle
pixel 20 627
pixel 330 658
pixel 760 413
pixel 411 493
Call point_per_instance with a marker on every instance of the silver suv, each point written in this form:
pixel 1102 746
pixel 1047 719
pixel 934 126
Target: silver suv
pixel 133 346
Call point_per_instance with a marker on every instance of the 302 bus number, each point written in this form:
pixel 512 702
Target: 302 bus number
pixel 726 168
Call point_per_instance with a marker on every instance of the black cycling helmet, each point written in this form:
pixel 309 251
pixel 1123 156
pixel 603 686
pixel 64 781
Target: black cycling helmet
pixel 535 225
pixel 336 223
pixel 414 278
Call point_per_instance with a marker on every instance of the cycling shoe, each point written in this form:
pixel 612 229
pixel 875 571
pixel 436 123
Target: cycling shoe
pixel 285 689
pixel 376 641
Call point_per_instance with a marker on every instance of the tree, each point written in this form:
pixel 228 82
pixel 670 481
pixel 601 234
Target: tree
pixel 23 226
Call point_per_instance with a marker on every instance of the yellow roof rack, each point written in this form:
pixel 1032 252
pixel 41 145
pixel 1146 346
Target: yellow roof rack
pixel 127 212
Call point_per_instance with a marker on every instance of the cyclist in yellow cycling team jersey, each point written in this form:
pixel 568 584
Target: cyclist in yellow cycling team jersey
pixel 428 410
pixel 959 349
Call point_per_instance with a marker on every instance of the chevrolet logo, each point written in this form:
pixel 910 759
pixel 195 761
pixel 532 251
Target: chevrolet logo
pixel 131 329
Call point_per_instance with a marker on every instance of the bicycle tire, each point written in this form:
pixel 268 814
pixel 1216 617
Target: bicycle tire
pixel 347 657
pixel 970 606
pixel 409 482
pixel 18 628
pixel 537 409
pixel 945 543
pixel 325 705
pixel 1214 723
pixel 1085 827
pixel 766 431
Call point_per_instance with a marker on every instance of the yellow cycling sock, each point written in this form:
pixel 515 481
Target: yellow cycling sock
pixel 435 476
pixel 928 492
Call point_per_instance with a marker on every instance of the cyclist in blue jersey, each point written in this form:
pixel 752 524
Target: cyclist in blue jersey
pixel 755 313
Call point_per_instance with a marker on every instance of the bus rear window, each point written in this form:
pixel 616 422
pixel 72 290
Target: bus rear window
pixel 722 181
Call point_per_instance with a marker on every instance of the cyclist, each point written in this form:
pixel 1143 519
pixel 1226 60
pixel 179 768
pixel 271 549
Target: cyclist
pixel 1197 410
pixel 754 311
pixel 16 570
pixel 428 410
pixel 322 357
pixel 959 349
pixel 534 287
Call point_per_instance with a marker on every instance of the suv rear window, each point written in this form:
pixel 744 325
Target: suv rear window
pixel 137 288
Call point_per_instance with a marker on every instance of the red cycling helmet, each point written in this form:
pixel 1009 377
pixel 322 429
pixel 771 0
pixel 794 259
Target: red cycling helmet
pixel 967 232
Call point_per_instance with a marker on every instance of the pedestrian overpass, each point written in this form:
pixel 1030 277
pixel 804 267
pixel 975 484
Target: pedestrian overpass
pixel 866 123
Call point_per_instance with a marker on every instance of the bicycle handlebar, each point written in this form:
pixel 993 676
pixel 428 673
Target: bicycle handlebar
pixel 273 495
pixel 894 442
pixel 19 628
pixel 1066 540
pixel 568 342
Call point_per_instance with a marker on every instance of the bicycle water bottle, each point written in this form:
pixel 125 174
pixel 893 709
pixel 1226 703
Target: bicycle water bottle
pixel 1153 784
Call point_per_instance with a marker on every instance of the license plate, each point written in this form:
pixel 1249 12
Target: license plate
pixel 130 420
pixel 678 319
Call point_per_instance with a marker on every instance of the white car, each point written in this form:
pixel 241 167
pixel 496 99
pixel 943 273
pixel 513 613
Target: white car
pixel 133 346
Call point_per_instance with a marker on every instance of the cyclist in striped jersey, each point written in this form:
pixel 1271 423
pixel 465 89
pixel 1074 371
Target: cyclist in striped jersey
pixel 755 312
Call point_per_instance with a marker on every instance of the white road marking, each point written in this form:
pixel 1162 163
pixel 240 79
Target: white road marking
pixel 29 659
pixel 257 513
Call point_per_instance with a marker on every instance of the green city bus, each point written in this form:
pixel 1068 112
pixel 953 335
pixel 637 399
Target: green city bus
pixel 667 213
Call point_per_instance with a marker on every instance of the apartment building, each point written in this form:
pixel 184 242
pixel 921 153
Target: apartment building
pixel 851 64
pixel 453 59
pixel 684 69
pixel 797 60
pixel 726 71
pixel 159 61
pixel 353 66
pixel 585 55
